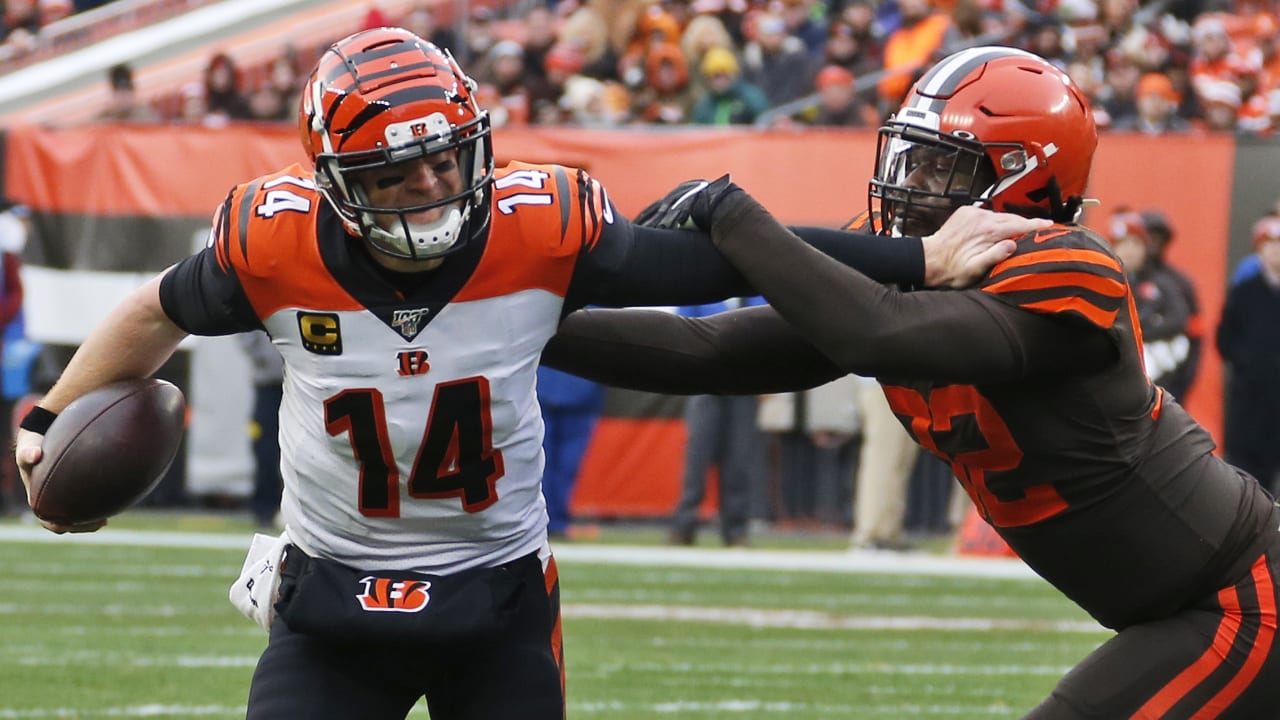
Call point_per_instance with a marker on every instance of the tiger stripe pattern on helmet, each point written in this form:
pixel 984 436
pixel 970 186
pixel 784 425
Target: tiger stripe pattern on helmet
pixel 386 75
pixel 384 97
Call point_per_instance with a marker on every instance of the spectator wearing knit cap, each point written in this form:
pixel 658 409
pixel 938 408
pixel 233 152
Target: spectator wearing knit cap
pixel 1156 102
pixel 1249 341
pixel 1163 314
pixel 564 60
pixel 665 97
pixel 1159 235
pixel 852 50
pixel 776 62
pixel 727 99
pixel 838 101
pixel 1219 104
pixel 505 95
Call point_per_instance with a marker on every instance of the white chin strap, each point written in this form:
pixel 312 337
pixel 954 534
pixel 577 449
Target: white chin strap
pixel 424 241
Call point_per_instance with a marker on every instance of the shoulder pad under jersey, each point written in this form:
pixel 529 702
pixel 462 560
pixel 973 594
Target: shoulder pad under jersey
pixel 1062 269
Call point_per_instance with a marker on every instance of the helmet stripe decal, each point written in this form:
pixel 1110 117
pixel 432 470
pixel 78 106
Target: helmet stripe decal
pixel 246 209
pixel 402 70
pixel 389 102
pixel 562 191
pixel 945 77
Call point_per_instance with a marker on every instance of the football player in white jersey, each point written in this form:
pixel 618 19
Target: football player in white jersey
pixel 410 286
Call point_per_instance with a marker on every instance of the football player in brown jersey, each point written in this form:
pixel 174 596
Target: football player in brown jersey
pixel 1030 384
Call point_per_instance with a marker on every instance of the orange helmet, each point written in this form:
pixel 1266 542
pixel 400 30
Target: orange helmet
pixel 1013 131
pixel 386 96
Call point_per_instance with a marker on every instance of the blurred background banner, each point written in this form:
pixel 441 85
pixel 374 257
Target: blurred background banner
pixel 113 204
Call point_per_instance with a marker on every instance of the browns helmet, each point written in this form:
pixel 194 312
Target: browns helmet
pixel 386 96
pixel 1003 127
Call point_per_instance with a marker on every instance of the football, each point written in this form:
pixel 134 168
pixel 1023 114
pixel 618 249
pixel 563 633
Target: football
pixel 107 450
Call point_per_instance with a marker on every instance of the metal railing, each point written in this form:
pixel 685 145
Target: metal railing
pixel 83 29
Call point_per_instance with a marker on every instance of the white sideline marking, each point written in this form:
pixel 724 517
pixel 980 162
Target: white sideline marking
pixel 856 561
pixel 134 711
pixel 727 707
pixel 812 619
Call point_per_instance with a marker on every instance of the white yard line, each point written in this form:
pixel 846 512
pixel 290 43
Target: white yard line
pixel 813 620
pixel 910 563
pixel 137 711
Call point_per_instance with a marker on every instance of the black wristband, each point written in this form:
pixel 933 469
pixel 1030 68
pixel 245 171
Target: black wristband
pixel 38 420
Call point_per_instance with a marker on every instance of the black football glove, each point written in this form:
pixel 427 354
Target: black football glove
pixel 670 211
pixel 689 205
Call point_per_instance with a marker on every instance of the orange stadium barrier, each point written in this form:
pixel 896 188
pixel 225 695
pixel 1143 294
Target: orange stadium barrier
pixel 977 538
pixel 632 468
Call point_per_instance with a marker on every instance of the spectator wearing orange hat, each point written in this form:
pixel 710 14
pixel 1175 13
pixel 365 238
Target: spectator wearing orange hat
pixel 726 99
pixel 1163 313
pixel 1249 342
pixel 1266 48
pixel 838 101
pixel 654 26
pixel 1156 102
pixel 665 97
pixel 564 60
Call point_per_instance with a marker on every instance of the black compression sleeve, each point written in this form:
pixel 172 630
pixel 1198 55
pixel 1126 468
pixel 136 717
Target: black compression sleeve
pixel 633 265
pixel 203 299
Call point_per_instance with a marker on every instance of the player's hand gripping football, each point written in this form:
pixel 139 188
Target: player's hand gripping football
pixel 689 205
pixel 970 243
pixel 28 452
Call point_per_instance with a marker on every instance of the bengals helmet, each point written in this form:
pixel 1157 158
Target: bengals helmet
pixel 386 96
pixel 1001 127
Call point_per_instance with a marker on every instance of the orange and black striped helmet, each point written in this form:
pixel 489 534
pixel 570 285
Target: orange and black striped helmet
pixel 994 126
pixel 383 97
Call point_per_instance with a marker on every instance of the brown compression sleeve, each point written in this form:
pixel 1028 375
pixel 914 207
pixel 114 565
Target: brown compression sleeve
pixel 741 352
pixel 870 329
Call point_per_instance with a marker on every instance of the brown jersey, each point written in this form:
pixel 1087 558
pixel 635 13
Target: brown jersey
pixel 1030 385
pixel 1045 458
pixel 1089 475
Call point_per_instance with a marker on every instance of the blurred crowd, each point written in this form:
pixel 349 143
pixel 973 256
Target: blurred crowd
pixel 1155 67
pixel 22 20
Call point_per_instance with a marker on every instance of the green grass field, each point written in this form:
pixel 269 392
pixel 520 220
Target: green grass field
pixel 94 629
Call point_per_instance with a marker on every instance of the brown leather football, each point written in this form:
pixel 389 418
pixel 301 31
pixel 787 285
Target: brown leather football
pixel 107 450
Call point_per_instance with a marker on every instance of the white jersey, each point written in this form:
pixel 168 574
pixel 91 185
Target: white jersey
pixel 410 432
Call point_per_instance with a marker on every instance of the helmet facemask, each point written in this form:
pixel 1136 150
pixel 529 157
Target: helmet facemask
pixel 378 103
pixel 1001 127
pixel 922 176
pixel 466 213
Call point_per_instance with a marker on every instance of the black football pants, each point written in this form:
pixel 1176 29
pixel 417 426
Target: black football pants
pixel 519 677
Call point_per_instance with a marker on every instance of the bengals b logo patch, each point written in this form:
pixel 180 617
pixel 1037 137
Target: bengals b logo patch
pixel 386 595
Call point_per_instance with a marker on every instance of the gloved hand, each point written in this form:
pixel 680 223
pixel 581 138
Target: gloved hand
pixel 690 205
